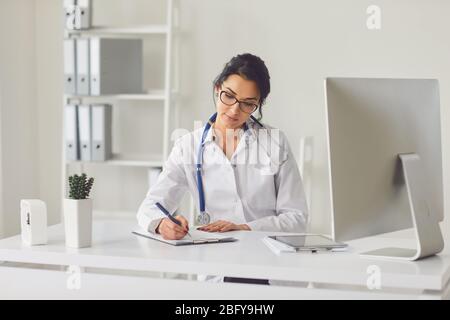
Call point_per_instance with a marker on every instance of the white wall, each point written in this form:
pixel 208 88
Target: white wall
pixel 1 167
pixel 49 86
pixel 30 107
pixel 301 41
pixel 19 128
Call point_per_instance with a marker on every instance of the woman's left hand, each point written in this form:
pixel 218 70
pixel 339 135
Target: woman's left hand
pixel 223 226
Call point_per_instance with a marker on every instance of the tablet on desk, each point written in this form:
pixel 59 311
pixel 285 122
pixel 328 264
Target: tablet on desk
pixel 309 242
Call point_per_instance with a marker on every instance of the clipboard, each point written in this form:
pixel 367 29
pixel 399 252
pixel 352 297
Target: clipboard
pixel 198 237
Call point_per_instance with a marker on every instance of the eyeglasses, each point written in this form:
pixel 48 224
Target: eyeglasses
pixel 228 99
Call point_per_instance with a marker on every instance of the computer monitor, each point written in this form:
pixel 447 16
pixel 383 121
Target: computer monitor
pixel 370 123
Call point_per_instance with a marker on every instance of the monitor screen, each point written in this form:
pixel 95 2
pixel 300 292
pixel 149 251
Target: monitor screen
pixel 370 123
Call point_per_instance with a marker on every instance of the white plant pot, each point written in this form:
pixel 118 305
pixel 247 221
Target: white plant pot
pixel 78 222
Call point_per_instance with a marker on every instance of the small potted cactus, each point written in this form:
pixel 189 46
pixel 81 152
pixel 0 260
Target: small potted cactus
pixel 78 212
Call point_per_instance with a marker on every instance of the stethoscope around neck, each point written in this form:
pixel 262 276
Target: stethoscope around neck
pixel 204 217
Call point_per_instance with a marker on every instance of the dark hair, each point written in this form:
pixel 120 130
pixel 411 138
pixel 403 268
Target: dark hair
pixel 249 67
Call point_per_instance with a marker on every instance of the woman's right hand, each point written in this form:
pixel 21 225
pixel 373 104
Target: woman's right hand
pixel 171 231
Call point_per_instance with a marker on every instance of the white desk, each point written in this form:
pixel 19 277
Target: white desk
pixel 122 265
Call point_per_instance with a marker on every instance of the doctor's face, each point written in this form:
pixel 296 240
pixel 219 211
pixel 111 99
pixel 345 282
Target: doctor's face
pixel 237 98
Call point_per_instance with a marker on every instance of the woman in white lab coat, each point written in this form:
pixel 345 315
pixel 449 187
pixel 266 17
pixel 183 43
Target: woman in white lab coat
pixel 250 179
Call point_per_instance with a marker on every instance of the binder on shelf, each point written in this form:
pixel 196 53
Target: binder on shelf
pixel 101 124
pixel 70 67
pixel 77 14
pixel 69 12
pixel 83 69
pixel 85 133
pixel 83 14
pixel 116 66
pixel 71 132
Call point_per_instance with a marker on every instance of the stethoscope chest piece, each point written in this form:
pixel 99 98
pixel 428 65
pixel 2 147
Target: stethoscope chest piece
pixel 203 218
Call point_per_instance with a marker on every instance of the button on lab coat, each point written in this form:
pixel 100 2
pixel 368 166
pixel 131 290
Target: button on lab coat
pixel 259 186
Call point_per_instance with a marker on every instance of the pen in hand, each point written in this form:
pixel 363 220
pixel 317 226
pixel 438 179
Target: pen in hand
pixel 177 222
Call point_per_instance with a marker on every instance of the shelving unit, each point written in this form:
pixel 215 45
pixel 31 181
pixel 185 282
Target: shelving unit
pixel 155 95
pixel 147 161
pixel 165 96
pixel 136 31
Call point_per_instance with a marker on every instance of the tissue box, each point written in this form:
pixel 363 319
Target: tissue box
pixel 33 216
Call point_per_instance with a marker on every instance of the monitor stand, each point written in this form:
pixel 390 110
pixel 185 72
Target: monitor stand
pixel 426 227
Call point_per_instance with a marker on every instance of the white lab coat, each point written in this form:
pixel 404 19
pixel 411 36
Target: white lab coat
pixel 260 185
